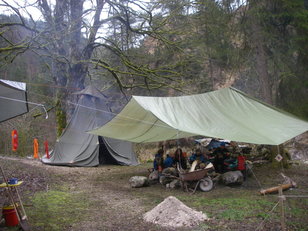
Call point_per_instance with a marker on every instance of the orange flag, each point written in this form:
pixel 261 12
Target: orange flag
pixel 35 149
pixel 46 149
pixel 14 140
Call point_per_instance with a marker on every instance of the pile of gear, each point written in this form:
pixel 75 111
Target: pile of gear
pixel 224 161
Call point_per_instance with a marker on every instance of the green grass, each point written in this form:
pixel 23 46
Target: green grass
pixel 236 209
pixel 297 213
pixel 56 210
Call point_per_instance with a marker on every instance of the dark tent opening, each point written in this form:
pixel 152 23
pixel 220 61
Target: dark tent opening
pixel 104 155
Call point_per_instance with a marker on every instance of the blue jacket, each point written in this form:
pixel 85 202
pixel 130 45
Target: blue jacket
pixel 194 157
pixel 158 161
pixel 168 162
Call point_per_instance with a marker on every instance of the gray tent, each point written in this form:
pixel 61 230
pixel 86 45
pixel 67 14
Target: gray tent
pixel 76 147
pixel 13 99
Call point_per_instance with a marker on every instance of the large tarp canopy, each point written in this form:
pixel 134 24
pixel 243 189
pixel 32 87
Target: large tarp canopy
pixel 226 113
pixel 13 99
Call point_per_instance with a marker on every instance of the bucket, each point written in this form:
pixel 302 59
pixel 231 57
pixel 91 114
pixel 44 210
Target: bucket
pixel 10 216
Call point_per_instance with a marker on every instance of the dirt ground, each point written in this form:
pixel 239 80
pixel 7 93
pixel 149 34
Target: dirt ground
pixel 100 198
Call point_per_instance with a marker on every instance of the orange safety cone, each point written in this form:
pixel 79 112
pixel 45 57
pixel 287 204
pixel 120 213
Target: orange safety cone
pixel 14 140
pixel 35 149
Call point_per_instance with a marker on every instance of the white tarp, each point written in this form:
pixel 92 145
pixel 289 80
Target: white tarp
pixel 226 113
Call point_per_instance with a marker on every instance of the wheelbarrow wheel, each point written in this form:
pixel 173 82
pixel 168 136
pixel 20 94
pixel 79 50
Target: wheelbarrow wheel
pixel 206 184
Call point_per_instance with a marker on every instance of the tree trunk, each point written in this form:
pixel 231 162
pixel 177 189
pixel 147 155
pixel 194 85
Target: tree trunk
pixel 258 40
pixel 261 64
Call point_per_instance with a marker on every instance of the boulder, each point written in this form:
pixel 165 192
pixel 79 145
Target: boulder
pixel 167 175
pixel 169 171
pixel 232 178
pixel 174 184
pixel 138 181
pixel 153 176
pixel 165 180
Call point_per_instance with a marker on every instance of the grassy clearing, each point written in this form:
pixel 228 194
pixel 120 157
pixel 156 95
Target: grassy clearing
pixel 57 210
pixel 236 209
pixel 72 204
pixel 297 213
pixel 240 208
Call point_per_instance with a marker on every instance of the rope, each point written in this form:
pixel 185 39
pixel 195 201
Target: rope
pixel 33 108
pixel 28 102
pixel 115 114
pixel 256 178
pixel 125 117
pixel 22 101
pixel 296 196
pixel 270 212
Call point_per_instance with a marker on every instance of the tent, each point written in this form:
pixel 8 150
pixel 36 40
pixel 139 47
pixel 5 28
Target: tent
pixel 75 147
pixel 226 113
pixel 13 99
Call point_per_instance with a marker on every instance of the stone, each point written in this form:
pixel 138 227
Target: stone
pixel 165 180
pixel 138 181
pixel 153 176
pixel 174 184
pixel 168 175
pixel 169 171
pixel 232 178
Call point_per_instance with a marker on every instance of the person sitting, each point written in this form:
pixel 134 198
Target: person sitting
pixel 180 158
pixel 219 161
pixel 169 161
pixel 241 164
pixel 158 163
pixel 230 162
pixel 197 156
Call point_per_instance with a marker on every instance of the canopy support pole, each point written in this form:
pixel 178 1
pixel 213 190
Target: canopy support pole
pixel 281 162
pixel 177 138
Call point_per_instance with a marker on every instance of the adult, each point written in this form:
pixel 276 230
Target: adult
pixel 158 163
pixel 199 157
pixel 241 164
pixel 220 154
pixel 169 161
pixel 180 158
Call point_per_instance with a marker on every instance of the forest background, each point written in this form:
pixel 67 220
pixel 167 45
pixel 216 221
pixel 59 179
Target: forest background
pixel 157 48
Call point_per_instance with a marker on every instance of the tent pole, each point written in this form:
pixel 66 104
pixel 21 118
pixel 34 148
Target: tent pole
pixel 281 162
pixel 177 138
pixel 178 145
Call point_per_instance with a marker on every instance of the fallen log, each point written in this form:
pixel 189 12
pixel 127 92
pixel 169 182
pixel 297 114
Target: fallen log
pixel 257 162
pixel 276 189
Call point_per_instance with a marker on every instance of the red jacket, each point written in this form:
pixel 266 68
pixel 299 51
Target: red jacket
pixel 241 163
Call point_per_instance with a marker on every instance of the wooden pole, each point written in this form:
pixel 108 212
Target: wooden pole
pixel 10 194
pixel 281 199
pixel 276 188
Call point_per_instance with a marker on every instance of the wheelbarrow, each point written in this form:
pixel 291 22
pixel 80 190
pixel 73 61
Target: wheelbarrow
pixel 196 178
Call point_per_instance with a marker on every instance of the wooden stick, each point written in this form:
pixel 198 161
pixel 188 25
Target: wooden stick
pixel 276 189
pixel 23 224
pixel 21 204
pixel 10 194
pixel 282 218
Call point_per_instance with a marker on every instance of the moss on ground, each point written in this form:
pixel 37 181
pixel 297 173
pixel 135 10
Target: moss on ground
pixel 57 210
